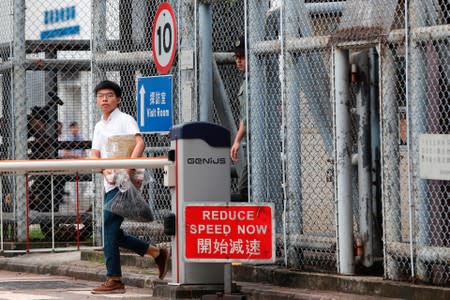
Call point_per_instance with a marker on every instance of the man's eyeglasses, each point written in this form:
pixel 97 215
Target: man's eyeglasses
pixel 107 96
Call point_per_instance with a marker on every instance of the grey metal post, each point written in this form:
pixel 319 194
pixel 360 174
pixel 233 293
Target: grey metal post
pixel 98 47
pixel 275 179
pixel 257 125
pixel 205 59
pixel 228 279
pixel 364 158
pixel 343 163
pixel 20 112
pixel 187 62
pixel 390 161
pixel 98 38
pixel 375 148
pixel 293 135
pixel 416 103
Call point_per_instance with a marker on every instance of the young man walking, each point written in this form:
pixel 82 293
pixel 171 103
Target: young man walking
pixel 114 122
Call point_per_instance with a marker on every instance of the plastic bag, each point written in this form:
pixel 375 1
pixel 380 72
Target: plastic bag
pixel 129 201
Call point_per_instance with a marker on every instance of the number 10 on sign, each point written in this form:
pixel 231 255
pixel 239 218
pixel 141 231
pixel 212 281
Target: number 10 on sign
pixel 164 38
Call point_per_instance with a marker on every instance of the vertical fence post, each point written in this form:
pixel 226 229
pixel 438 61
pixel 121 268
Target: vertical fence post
pixel 343 163
pixel 187 69
pixel 77 201
pixel 205 57
pixel 20 112
pixel 293 129
pixel 257 98
pixel 375 145
pixel 390 162
pixel 98 47
pixel 416 96
pixel 364 158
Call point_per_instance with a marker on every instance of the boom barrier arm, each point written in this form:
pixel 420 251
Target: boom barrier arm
pixel 81 165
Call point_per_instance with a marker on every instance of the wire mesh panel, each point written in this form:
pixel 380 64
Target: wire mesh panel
pixel 227 27
pixel 291 129
pixel 428 67
pixel 123 53
pixel 6 117
pixel 41 96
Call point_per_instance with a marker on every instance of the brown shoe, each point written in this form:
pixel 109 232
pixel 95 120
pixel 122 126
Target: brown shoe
pixel 111 286
pixel 162 261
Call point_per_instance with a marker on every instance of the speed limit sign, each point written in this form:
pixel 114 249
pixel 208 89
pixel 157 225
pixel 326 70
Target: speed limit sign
pixel 164 38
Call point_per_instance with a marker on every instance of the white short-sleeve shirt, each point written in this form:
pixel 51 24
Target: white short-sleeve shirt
pixel 117 123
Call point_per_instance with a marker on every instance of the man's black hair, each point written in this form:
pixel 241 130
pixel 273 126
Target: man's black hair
pixel 111 85
pixel 74 124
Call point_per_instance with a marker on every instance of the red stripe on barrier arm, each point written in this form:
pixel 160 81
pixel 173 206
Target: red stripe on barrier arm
pixel 27 240
pixel 77 193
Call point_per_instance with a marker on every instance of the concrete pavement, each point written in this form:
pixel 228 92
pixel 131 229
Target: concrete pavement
pixel 255 282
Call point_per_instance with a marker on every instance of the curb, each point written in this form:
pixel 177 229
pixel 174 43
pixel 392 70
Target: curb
pixel 86 270
pixel 358 285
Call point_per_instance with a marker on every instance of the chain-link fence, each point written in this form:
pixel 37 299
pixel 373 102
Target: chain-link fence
pixel 340 93
pixel 45 74
pixel 348 84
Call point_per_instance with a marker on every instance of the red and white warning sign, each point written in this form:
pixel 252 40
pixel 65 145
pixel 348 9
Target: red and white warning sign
pixel 229 232
pixel 164 38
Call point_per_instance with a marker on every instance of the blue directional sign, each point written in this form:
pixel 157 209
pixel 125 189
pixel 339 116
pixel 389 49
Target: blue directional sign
pixel 154 104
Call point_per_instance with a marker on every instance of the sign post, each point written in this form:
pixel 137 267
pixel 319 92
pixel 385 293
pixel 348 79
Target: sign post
pixel 164 38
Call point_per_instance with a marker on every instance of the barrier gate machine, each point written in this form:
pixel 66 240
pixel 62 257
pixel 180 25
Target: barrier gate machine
pixel 201 173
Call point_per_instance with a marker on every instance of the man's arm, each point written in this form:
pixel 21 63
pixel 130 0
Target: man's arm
pixel 139 147
pixel 95 153
pixel 237 141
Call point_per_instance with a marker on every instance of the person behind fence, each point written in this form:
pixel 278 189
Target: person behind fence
pixel 74 136
pixel 239 140
pixel 114 122
pixel 41 146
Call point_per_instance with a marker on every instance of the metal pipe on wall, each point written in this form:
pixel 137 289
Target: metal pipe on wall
pixel 364 157
pixel 375 150
pixel 390 160
pixel 205 59
pixel 343 163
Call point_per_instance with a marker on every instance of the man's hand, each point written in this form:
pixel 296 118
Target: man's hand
pixel 234 151
pixel 109 176
pixel 137 183
pixel 137 177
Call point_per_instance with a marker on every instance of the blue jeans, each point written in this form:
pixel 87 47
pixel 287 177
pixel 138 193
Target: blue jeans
pixel 115 238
